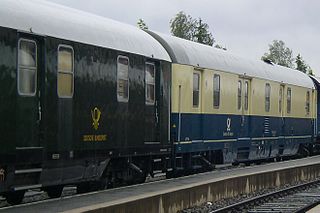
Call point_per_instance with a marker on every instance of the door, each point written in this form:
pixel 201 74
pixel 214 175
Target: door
pixel 244 100
pixel 65 91
pixel 30 71
pixel 282 113
pixel 153 103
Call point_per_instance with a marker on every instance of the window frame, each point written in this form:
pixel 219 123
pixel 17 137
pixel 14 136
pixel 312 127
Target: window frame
pixel 267 100
pixel 146 84
pixel 239 94
pixel 280 99
pixel 120 98
pixel 289 101
pixel 246 95
pixel 65 72
pixel 218 92
pixel 308 103
pixel 36 68
pixel 199 86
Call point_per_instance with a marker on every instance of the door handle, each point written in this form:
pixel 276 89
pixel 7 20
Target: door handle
pixel 157 116
pixel 39 113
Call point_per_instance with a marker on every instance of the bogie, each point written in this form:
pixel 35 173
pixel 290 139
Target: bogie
pixel 14 198
pixel 54 191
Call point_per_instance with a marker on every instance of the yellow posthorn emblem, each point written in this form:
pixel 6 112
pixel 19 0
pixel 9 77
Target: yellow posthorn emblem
pixel 95 114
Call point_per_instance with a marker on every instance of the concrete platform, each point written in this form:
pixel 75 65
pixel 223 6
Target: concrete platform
pixel 314 210
pixel 176 194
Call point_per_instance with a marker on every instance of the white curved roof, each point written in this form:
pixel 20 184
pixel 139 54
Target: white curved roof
pixel 50 19
pixel 190 53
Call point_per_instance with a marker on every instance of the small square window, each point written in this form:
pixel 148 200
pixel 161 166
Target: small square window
pixel 150 83
pixel 27 67
pixel 267 97
pixel 239 94
pixel 308 103
pixel 289 97
pixel 216 91
pixel 196 90
pixel 65 71
pixel 123 79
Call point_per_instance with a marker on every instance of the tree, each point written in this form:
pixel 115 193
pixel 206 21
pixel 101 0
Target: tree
pixel 301 64
pixel 184 26
pixel 279 54
pixel 202 34
pixel 142 25
pixel 310 71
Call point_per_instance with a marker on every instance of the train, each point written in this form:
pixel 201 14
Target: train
pixel 95 103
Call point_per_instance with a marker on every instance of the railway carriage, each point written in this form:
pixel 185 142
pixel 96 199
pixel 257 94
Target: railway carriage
pixel 229 109
pixel 91 102
pixel 84 99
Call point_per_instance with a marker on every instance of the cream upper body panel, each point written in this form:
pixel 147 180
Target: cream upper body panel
pixel 203 56
pixel 182 95
pixel 189 57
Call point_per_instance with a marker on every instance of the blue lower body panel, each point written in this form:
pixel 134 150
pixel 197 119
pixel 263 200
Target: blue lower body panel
pixel 240 137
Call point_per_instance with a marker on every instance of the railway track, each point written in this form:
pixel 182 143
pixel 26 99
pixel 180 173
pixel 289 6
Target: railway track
pixel 294 199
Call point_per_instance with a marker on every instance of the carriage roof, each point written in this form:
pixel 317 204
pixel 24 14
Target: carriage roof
pixel 187 52
pixel 53 20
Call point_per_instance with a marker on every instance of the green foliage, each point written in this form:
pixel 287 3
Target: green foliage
pixel 184 26
pixel 279 54
pixel 310 71
pixel 142 25
pixel 301 64
pixel 202 34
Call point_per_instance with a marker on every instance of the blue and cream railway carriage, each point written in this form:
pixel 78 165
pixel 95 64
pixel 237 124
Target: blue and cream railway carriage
pixel 91 102
pixel 228 109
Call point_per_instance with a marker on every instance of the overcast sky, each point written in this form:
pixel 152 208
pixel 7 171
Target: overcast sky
pixel 244 27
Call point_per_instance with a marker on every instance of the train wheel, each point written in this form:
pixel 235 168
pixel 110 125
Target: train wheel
pixel 14 198
pixel 54 191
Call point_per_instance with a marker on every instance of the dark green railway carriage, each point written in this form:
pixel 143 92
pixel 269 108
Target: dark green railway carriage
pixel 83 100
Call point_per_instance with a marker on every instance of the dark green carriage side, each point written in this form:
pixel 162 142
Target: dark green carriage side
pixel 85 133
pixel 124 127
pixel 59 141
pixel 8 116
pixel 21 151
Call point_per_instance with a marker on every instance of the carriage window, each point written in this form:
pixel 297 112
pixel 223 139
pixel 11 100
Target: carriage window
pixel 196 89
pixel 216 91
pixel 267 97
pixel 150 83
pixel 308 102
pixel 123 79
pixel 65 71
pixel 289 100
pixel 280 100
pixel 27 69
pixel 239 94
pixel 246 95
